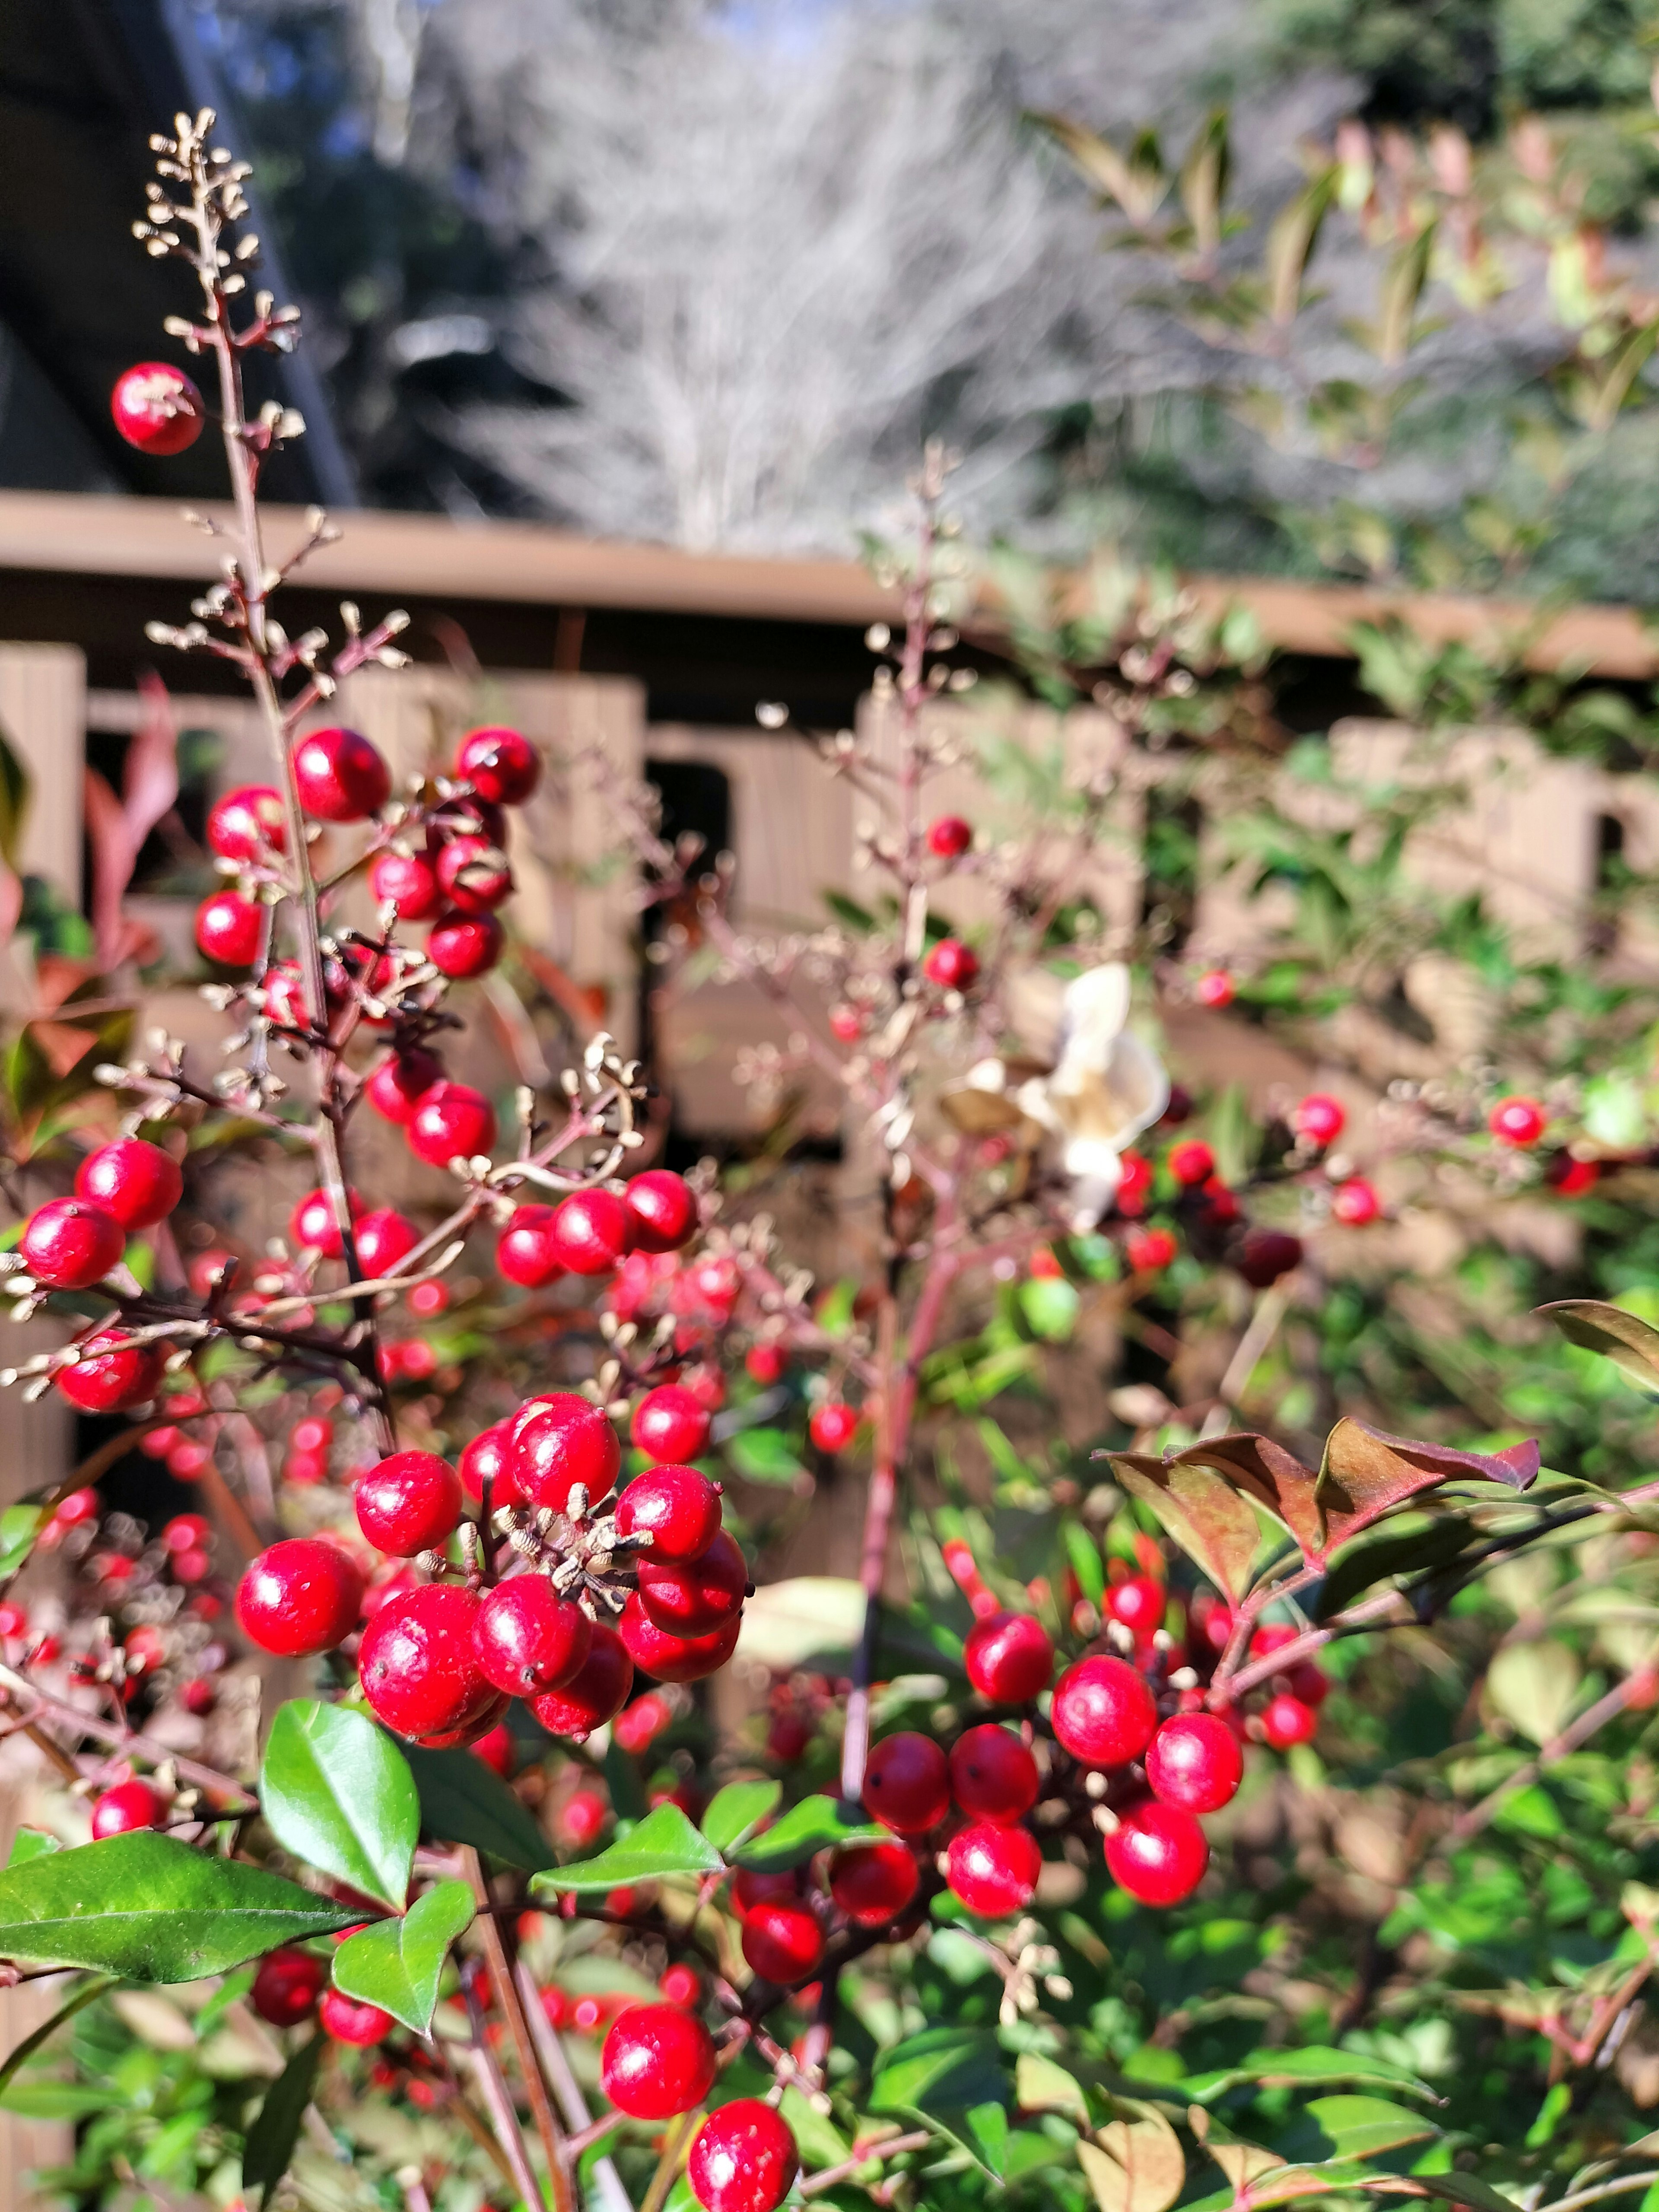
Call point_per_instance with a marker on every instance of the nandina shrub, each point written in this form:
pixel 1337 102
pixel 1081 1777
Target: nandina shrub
pixel 1054 1891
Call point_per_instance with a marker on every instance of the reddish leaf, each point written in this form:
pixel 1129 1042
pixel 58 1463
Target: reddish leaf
pixel 117 829
pixel 1204 1511
pixel 1616 1334
pixel 1275 1477
pixel 1367 1475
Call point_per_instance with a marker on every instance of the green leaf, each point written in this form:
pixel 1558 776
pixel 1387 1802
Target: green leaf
pixel 93 1987
pixel 56 2100
pixel 1408 1552
pixel 947 2077
pixel 461 1802
pixel 337 1793
pixel 737 1810
pixel 31 1844
pixel 1312 2063
pixel 764 1456
pixel 1351 2127
pixel 275 2128
pixel 664 1843
pixel 1049 1305
pixel 154 1910
pixel 1084 1554
pixel 1041 2085
pixel 395 1964
pixel 1630 1344
pixel 19 1526
pixel 813 1826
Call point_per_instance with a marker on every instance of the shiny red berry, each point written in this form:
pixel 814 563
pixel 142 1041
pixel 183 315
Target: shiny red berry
pixel 833 1426
pixel 80 1505
pixel 286 1986
pixel 1102 1712
pixel 409 1503
pixel 568 1440
pixel 384 1240
pixel 529 1638
pixel 230 929
pixel 1009 1658
pixel 658 2061
pixel 1518 1122
pixel 247 824
pixel 764 1363
pixel 1215 988
pixel 873 1883
pixel 137 1182
pixel 419 1668
pixel 662 1211
pixel 108 1382
pixel 70 1244
pixel 463 946
pixel 503 766
pixel 474 875
pixel 340 776
pixel 993 1776
pixel 1319 1118
pixel 1150 1250
pixel 408 881
pixel 129 1806
pixel 396 1087
pixel 669 1658
pixel 486 1459
pixel 591 1231
pixel 1194 1762
pixel 782 1943
pixel 1355 1203
pixel 681 1509
pixel 743 2159
pixel 1286 1721
pixel 906 1783
pixel 451 1122
pixel 951 965
pixel 992 1870
pixel 1138 1603
pixel 696 1597
pixel 949 838
pixel 313 1226
pixel 1158 1853
pixel 595 1693
pixel 527 1251
pixel 670 1424
pixel 348 2022
pixel 302 1596
pixel 1191 1162
pixel 157 408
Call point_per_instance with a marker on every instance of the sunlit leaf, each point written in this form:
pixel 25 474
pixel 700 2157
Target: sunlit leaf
pixel 664 1844
pixel 1630 1344
pixel 737 1810
pixel 816 1824
pixel 339 1793
pixel 397 1963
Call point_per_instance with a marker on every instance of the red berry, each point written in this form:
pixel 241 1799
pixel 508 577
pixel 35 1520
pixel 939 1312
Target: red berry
pixel 198 1696
pixel 1158 1853
pixel 384 1240
pixel 474 875
pixel 1134 1183
pixel 591 1231
pixel 582 1817
pixel 313 1226
pixel 681 1985
pixel 186 1460
pixel 1517 1122
pixel 70 1244
pixel 347 2021
pixel 696 1597
pixel 397 1086
pixel 764 1363
pixel 409 881
pixel 451 1122
pixel 1150 1250
pixel 994 1869
pixel 949 838
pixel 526 1251
pixel 993 1776
pixel 1568 1177
pixel 139 1183
pixel 662 1211
pixel 1009 1658
pixel 846 1024
pixel 1266 1255
pixel 13 1621
pixel 873 1883
pixel 409 1503
pixel 743 2159
pixel 669 1658
pixel 428 1300
pixel 906 1783
pixel 566 1441
pixel 500 765
pixel 302 1596
pixel 749 1890
pixel 1355 1203
pixel 129 1806
pixel 640 1724
pixel 340 776
pixel 190 1566
pixel 595 1693
pixel 529 1638
pixel 419 1668
pixel 658 2061
pixel 1194 1762
pixel 833 1426
pixel 80 1505
pixel 1319 1118
pixel 1310 1683
pixel 247 824
pixel 670 1424
pixel 680 1507
pixel 1221 1205
pixel 462 945
pixel 1139 1603
pixel 951 965
pixel 109 1382
pixel 1191 1162
pixel 286 1986
pixel 497 1750
pixel 782 1943
pixel 157 408
pixel 487 1459
pixel 314 1433
pixel 1286 1721
pixel 1215 988
pixel 1102 1712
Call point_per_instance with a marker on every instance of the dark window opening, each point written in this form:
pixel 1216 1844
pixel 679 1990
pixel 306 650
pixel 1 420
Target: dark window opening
pixel 696 797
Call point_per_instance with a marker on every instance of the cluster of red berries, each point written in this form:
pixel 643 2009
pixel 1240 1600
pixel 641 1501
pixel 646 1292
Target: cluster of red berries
pixel 660 2061
pixel 592 1231
pixel 70 1243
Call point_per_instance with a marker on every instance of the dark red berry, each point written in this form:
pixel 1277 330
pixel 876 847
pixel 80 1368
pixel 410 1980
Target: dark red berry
pixel 670 1658
pixel 662 1211
pixel 408 881
pixel 108 1382
pixel 502 766
pixel 157 408
pixel 396 1088
pixel 409 1503
pixel 873 1882
pixel 1158 1853
pixel 993 1776
pixel 906 1783
pixel 743 2159
pixel 230 929
pixel 1009 1658
pixel 487 1459
pixel 951 965
pixel 451 1122
pixel 129 1806
pixel 340 776
pixel 949 838
pixel 70 1244
pixel 696 1597
pixel 1266 1255
pixel 595 1693
pixel 418 1664
pixel 287 1987
pixel 139 1183
pixel 303 1596
pixel 498 1751
pixel 748 1890
pixel 833 1426
pixel 782 1943
pixel 347 2021
pixel 591 1231
pixel 680 1507
pixel 1286 1721
pixel 526 1251
pixel 462 945
pixel 1103 1711
pixel 1138 1603
pixel 529 1638
pixel 658 2061
pixel 670 1424
pixel 565 1443
pixel 994 1869
pixel 384 1240
pixel 1194 1762
pixel 474 875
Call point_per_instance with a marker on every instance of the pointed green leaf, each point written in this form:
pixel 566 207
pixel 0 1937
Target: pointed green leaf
pixel 93 1987
pixel 461 1802
pixel 154 1910
pixel 816 1824
pixel 948 2077
pixel 337 1793
pixel 1595 1326
pixel 1351 2127
pixel 397 1963
pixel 737 1810
pixel 19 1526
pixel 664 1844
pixel 1311 2064
pixel 275 2128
